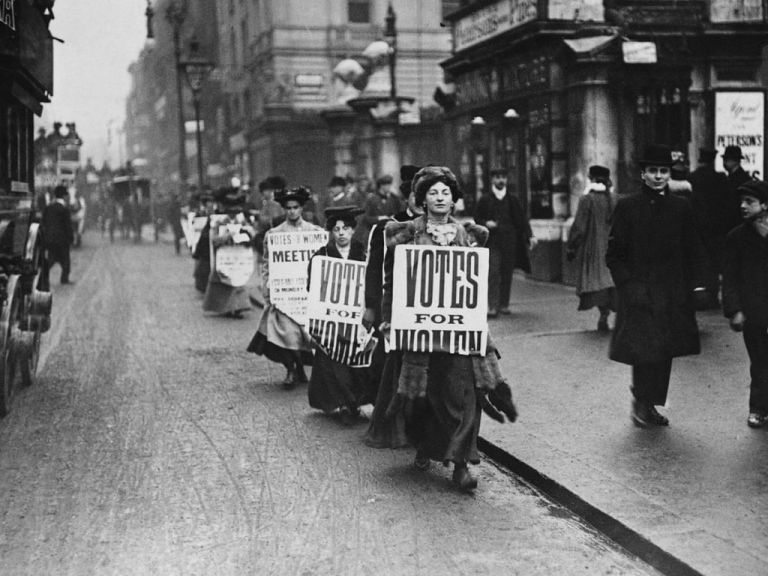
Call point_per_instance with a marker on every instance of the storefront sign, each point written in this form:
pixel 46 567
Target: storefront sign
pixel 492 20
pixel 289 255
pixel 740 121
pixel 335 311
pixel 440 299
pixel 7 14
pixel 639 52
pixel 234 264
pixel 736 11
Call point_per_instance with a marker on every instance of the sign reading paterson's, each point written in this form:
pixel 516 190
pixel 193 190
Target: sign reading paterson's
pixel 335 310
pixel 289 254
pixel 440 299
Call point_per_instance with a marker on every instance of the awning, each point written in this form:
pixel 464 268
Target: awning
pixel 589 43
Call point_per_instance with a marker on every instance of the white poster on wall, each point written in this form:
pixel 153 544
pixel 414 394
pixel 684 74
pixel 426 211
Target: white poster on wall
pixel 740 121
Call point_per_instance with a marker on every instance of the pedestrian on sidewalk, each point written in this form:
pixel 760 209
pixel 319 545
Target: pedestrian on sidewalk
pixel 444 389
pixel 588 243
pixel 58 235
pixel 658 264
pixel 334 386
pixel 202 252
pixel 174 216
pixel 732 157
pixel 278 336
pixel 509 240
pixel 710 202
pixel 745 291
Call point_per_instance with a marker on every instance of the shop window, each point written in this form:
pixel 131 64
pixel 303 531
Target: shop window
pixel 663 117
pixel 359 11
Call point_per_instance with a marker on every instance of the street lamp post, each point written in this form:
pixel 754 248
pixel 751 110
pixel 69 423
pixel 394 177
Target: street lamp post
pixel 175 15
pixel 390 35
pixel 196 70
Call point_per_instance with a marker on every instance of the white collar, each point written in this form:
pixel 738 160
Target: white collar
pixel 499 193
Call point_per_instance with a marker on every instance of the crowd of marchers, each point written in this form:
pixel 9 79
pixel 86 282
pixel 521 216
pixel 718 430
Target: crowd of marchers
pixel 653 256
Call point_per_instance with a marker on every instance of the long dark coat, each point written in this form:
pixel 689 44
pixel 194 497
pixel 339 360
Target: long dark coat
pixel 333 385
pixel 522 228
pixel 656 259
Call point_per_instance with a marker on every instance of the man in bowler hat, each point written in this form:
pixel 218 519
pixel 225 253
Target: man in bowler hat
pixel 57 234
pixel 658 265
pixel 745 286
pixel 737 176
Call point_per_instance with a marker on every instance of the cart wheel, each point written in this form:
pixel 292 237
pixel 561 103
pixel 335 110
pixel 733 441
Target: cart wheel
pixel 28 357
pixel 9 334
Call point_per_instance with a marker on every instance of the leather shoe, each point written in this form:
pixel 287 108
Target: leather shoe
pixel 421 462
pixel 505 312
pixel 463 479
pixel 641 414
pixel 756 420
pixel 656 418
pixel 492 312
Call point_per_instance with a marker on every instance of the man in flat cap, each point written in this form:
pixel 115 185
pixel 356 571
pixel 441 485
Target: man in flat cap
pixel 745 286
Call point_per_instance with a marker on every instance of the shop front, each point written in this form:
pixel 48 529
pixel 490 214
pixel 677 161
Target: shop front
pixel 544 89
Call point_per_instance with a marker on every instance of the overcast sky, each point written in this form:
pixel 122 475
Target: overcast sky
pixel 101 38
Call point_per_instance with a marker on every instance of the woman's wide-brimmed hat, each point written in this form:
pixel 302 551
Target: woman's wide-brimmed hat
pixel 656 155
pixel 299 194
pixel 347 214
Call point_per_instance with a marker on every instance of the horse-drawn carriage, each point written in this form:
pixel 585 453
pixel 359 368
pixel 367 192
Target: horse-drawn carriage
pixel 129 206
pixel 26 301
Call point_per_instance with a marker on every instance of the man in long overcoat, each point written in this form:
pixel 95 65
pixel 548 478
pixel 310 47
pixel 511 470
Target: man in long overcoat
pixel 510 238
pixel 57 235
pixel 658 264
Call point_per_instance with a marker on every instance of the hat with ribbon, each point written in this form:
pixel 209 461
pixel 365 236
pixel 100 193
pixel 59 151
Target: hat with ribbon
pixel 347 214
pixel 298 194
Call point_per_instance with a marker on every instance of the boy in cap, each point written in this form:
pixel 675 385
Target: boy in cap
pixel 745 286
pixel 737 176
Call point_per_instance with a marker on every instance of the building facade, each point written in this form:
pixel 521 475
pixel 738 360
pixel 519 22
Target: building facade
pixel 153 120
pixel 546 88
pixel 284 110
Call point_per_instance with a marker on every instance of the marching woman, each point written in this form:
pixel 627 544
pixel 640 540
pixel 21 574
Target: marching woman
pixel 446 391
pixel 278 337
pixel 335 386
pixel 230 227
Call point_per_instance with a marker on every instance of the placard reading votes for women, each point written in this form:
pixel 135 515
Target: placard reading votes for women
pixel 440 299
pixel 335 311
pixel 289 255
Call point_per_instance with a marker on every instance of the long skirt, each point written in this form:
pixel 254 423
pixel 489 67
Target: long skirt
pixel 279 338
pixel 334 385
pixel 387 431
pixel 444 425
pixel 224 299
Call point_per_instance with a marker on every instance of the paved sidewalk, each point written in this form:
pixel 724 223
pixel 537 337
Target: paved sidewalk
pixel 698 489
